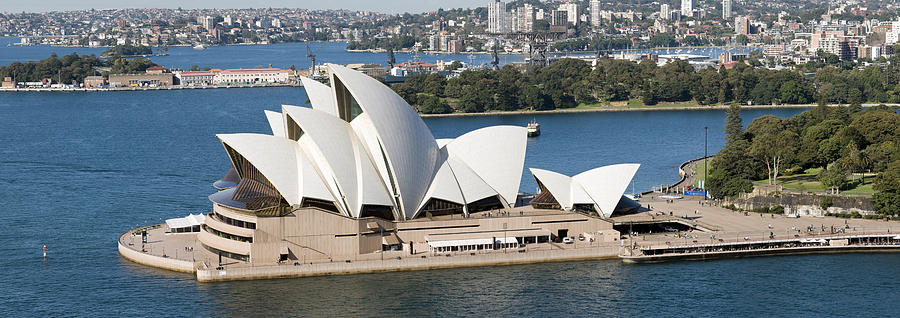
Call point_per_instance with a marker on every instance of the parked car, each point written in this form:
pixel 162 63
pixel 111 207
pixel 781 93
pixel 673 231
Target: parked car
pixel 568 240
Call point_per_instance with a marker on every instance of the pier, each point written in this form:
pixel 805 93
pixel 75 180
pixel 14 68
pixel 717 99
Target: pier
pixel 824 244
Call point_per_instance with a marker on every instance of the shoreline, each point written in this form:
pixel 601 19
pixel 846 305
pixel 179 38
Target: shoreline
pixel 632 109
pixel 129 89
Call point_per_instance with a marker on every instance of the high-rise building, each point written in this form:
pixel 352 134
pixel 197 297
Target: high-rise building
pixel 559 17
pixel 208 22
pixel 664 11
pixel 595 12
pixel 497 17
pixel 726 9
pixel 228 20
pixel 742 25
pixel 571 9
pixel 526 18
pixel 687 8
pixel 513 20
pixel 893 36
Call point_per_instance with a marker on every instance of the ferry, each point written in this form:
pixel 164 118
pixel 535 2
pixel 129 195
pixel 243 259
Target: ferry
pixel 534 129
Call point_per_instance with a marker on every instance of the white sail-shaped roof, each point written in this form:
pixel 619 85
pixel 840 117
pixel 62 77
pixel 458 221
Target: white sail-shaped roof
pixel 405 140
pixel 607 184
pixel 274 157
pixel 559 185
pixel 473 187
pixel 320 96
pixel 602 187
pixel 444 187
pixel 276 123
pixel 345 158
pixel 361 144
pixel 496 154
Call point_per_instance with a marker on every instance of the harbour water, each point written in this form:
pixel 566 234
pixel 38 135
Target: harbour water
pixel 247 56
pixel 77 169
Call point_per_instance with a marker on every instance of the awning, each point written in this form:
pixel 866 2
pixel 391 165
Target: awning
pixel 390 240
pixel 481 241
pixel 186 222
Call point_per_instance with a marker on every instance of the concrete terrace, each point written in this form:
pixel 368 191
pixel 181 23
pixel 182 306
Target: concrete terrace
pixel 731 226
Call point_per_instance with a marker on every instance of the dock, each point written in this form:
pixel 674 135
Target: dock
pixel 794 246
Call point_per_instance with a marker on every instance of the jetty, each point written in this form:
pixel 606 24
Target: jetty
pixel 793 246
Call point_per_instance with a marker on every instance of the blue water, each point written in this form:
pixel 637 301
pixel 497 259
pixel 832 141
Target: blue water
pixel 247 56
pixel 77 169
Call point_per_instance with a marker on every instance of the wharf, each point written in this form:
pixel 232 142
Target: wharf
pixel 828 244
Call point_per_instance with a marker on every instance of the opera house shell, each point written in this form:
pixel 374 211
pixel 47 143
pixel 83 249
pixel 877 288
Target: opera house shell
pixel 361 151
pixel 360 172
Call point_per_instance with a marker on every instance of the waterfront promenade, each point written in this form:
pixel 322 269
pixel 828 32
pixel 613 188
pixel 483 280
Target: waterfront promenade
pixel 711 225
pixel 184 253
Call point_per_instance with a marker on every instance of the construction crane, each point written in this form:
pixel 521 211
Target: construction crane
pixel 311 54
pixel 391 61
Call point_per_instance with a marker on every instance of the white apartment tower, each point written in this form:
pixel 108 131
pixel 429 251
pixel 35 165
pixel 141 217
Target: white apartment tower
pixel 687 8
pixel 726 9
pixel 526 18
pixel 497 17
pixel 571 9
pixel 595 12
pixel 664 12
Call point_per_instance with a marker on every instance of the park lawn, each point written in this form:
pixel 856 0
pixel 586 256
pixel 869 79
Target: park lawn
pixel 634 103
pixel 700 170
pixel 808 181
pixel 588 106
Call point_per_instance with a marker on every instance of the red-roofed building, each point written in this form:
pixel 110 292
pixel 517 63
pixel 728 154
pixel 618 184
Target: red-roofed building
pixel 196 78
pixel 156 70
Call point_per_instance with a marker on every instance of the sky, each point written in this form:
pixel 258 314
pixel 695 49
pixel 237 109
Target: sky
pixel 385 6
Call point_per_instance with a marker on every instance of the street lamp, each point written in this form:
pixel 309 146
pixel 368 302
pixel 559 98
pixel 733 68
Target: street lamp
pixel 705 155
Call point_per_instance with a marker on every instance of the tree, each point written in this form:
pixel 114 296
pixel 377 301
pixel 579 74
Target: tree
pixel 508 81
pixel 775 150
pixel 734 128
pixel 877 126
pixel 532 97
pixel 794 93
pixel 469 102
pixel 834 177
pixel 742 39
pixel 731 170
pixel 434 84
pixel 887 196
pixel 434 105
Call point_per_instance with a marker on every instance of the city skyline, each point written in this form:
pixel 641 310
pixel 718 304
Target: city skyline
pixel 398 6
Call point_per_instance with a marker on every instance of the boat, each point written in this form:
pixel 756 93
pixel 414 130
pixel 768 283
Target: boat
pixel 534 129
pixel 199 46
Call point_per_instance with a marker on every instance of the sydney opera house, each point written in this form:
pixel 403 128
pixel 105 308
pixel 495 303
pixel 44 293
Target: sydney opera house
pixel 359 172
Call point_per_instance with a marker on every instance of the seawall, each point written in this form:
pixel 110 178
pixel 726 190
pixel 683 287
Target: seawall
pixel 406 264
pixel 152 260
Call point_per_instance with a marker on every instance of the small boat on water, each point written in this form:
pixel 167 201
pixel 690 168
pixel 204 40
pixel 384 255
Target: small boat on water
pixel 534 129
pixel 199 46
